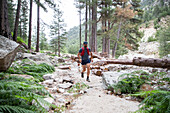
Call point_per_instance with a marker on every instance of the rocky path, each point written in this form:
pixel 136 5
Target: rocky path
pixel 96 100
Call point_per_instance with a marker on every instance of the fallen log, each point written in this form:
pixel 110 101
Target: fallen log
pixel 94 55
pixel 150 62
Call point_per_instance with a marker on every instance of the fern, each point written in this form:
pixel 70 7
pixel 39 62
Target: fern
pixel 13 109
pixel 133 81
pixel 30 68
pixel 17 95
pixel 155 101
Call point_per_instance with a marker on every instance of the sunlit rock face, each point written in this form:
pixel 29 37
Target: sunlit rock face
pixel 8 50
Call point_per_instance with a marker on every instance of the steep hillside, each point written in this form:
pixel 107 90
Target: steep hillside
pixel 149 44
pixel 155 9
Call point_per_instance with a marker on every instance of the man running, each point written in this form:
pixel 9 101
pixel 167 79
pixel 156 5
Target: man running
pixel 85 52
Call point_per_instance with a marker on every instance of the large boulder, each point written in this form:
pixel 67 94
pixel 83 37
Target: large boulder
pixel 8 50
pixel 38 58
pixel 112 77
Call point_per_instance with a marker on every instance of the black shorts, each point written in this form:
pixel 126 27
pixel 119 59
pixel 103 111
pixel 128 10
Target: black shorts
pixel 84 62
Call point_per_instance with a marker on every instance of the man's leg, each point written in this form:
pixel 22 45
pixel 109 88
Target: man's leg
pixel 88 71
pixel 84 69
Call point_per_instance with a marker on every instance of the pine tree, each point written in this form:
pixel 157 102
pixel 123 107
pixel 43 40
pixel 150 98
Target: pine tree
pixel 17 21
pixel 24 19
pixel 164 40
pixel 57 31
pixel 80 5
pixel 43 39
pixel 11 13
pixel 94 26
pixel 30 25
pixel 38 25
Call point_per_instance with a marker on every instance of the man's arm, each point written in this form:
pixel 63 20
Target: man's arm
pixel 78 55
pixel 91 56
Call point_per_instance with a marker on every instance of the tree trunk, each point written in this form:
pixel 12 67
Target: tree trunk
pixel 20 34
pixel 94 26
pixel 147 62
pixel 17 21
pixel 4 25
pixel 108 40
pixel 80 27
pixel 90 38
pixel 86 22
pixel 38 26
pixel 103 30
pixel 118 35
pixel 30 26
pixel 58 38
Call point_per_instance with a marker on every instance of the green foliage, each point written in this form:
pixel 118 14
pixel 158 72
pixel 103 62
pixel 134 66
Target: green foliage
pixel 164 39
pixel 147 25
pixel 151 39
pixel 30 68
pixel 152 11
pixel 155 101
pixel 19 95
pixel 77 87
pixel 11 13
pixel 133 81
pixel 19 39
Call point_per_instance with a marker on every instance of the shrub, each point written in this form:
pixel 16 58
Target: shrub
pixel 155 101
pixel 133 81
pixel 151 39
pixel 37 71
pixel 17 95
pixel 164 42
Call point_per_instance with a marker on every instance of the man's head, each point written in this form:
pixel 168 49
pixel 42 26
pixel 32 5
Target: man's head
pixel 85 43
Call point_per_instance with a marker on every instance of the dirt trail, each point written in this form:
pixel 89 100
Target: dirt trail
pixel 97 101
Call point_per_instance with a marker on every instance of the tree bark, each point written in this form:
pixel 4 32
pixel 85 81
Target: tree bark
pixel 90 40
pixel 86 13
pixel 17 21
pixel 80 26
pixel 94 26
pixel 38 26
pixel 4 24
pixel 147 62
pixel 103 30
pixel 108 40
pixel 30 26
pixel 118 35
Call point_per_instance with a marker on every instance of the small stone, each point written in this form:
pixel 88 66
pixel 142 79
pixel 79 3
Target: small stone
pixel 61 100
pixel 56 79
pixel 54 90
pixel 60 80
pixel 128 98
pixel 65 86
pixel 49 82
pixel 81 92
pixel 109 92
pixel 60 90
pixel 85 91
pixel 47 76
pixel 50 86
pixel 66 94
